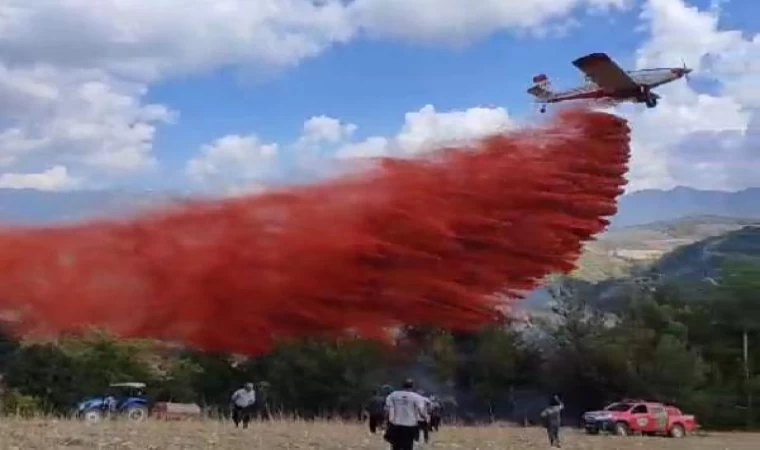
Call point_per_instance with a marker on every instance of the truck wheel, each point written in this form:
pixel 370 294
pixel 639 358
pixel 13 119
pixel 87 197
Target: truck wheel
pixel 593 431
pixel 677 431
pixel 136 413
pixel 621 429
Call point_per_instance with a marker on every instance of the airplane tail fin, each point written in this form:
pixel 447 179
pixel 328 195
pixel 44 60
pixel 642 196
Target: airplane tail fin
pixel 541 88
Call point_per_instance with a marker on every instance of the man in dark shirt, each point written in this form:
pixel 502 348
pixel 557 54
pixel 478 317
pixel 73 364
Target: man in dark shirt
pixel 552 416
pixel 375 408
pixel 435 413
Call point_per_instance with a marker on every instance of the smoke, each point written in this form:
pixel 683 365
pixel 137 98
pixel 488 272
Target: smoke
pixel 420 242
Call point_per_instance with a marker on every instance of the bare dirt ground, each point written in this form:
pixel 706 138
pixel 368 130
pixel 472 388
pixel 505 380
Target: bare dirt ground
pixel 51 434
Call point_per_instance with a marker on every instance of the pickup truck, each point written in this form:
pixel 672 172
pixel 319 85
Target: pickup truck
pixel 640 417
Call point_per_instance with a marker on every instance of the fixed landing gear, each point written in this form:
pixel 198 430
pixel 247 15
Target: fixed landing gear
pixel 542 110
pixel 648 98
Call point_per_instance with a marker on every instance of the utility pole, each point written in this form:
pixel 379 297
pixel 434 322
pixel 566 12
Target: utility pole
pixel 745 364
pixel 747 378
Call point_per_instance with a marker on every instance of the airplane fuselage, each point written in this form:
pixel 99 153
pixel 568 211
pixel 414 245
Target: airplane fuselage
pixel 646 79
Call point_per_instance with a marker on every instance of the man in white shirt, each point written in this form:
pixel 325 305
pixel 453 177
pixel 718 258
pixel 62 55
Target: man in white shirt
pixel 242 405
pixel 404 408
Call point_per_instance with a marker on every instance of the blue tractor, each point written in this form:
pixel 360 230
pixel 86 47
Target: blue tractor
pixel 125 400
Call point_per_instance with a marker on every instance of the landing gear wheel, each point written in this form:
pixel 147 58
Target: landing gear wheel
pixel 651 101
pixel 542 110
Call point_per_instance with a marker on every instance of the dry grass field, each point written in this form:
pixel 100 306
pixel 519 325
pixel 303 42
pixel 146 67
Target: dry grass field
pixel 51 434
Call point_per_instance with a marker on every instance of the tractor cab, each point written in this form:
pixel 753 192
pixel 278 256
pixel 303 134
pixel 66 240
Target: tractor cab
pixel 124 391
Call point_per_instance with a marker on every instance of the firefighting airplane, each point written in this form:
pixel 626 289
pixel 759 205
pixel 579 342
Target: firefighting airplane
pixel 607 82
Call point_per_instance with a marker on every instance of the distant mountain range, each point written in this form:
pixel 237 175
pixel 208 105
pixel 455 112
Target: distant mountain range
pixel 638 208
pixel 647 206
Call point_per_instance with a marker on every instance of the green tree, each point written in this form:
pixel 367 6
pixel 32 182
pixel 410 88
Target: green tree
pixel 587 360
pixel 321 377
pixel 8 345
pixel 44 372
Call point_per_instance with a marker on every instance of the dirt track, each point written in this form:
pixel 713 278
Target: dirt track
pixel 50 434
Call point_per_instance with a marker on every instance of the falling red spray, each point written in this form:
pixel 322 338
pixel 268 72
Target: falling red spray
pixel 424 241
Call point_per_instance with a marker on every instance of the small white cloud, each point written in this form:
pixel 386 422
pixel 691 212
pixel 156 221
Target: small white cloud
pixel 232 160
pixel 325 130
pixel 428 129
pixel 54 179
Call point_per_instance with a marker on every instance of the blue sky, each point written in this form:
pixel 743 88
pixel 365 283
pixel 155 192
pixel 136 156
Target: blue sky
pixel 373 83
pixel 134 95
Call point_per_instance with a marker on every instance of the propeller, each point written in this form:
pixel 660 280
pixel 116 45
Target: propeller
pixel 686 70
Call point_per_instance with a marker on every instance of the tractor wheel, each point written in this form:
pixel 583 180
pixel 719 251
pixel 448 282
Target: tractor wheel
pixel 621 429
pixel 677 431
pixel 136 413
pixel 92 416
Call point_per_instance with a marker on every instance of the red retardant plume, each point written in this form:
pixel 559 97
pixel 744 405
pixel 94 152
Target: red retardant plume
pixel 426 241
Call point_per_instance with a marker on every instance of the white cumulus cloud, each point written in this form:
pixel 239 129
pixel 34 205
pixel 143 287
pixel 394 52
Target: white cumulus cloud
pixel 74 76
pixel 459 22
pixel 427 128
pixel 234 161
pixel 696 139
pixel 323 129
pixel 76 117
pixel 74 73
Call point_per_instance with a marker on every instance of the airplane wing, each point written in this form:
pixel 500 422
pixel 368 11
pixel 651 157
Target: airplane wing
pixel 603 71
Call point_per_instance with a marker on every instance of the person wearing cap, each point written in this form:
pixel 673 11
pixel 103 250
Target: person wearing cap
pixel 404 408
pixel 242 405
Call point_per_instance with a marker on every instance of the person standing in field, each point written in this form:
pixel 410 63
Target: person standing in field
pixel 404 407
pixel 375 408
pixel 435 413
pixel 423 421
pixel 243 401
pixel 552 416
